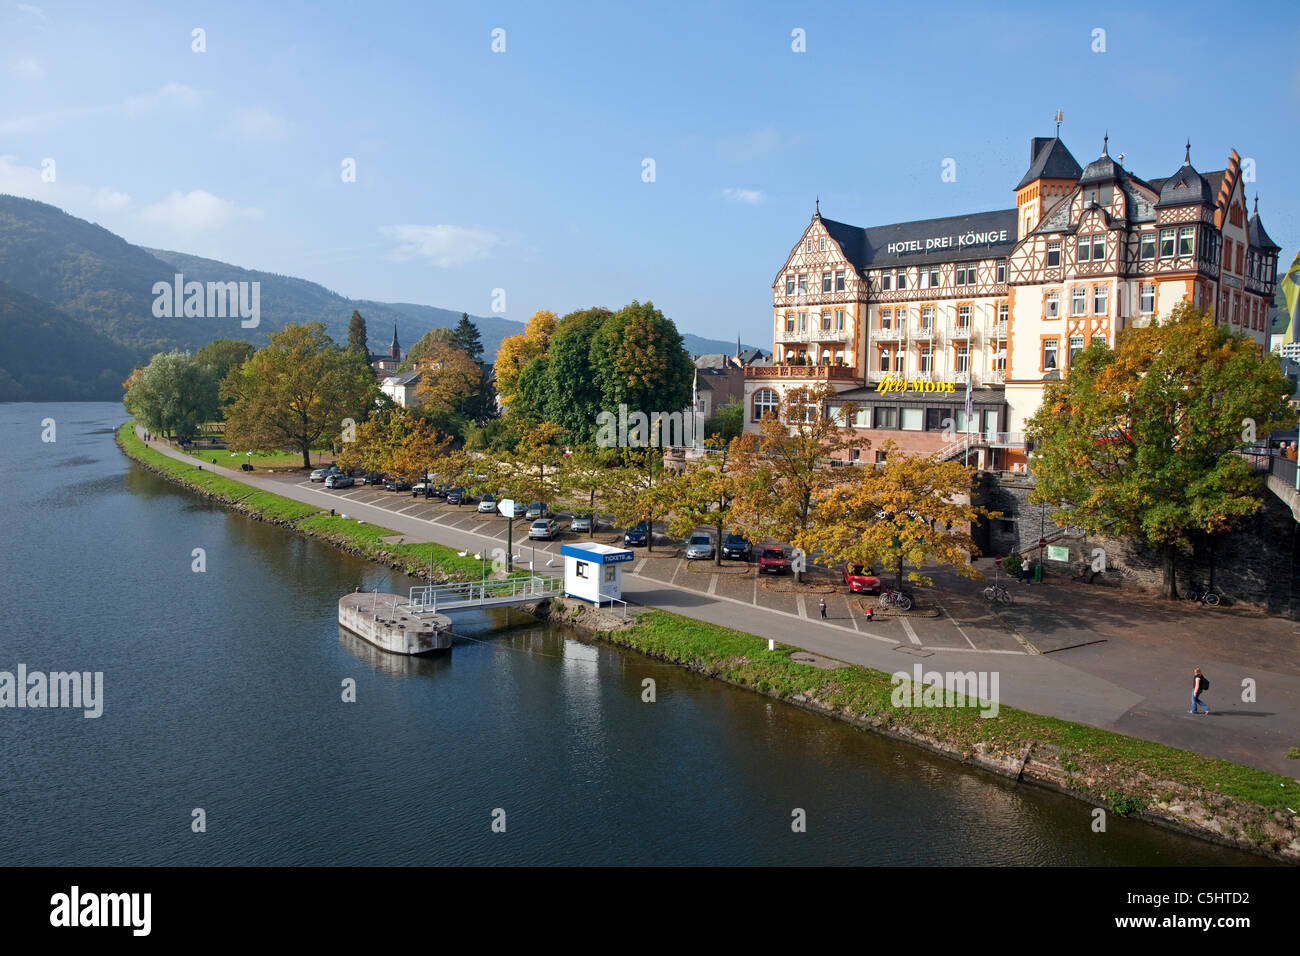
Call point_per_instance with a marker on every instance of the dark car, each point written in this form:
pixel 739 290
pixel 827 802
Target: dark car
pixel 773 561
pixel 636 535
pixel 459 496
pixel 737 548
pixel 397 483
pixel 860 579
pixel 373 478
pixel 439 491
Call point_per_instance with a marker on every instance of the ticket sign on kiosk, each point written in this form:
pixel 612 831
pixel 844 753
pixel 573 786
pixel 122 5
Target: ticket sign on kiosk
pixel 594 572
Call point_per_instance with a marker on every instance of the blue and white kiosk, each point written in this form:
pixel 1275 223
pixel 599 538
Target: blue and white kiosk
pixel 594 572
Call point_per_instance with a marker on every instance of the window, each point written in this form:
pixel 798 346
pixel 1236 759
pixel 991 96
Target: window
pixel 823 243
pixel 1227 253
pixel 1236 309
pixel 902 279
pixel 963 316
pixel 1079 301
pixel 925 359
pixel 808 245
pixel 880 457
pixel 862 418
pixel 765 401
pixel 839 280
pixel 935 417
pixel 826 282
pixel 803 283
pixel 886 319
pixel 580 568
pixel 1083 248
pixel 1148 247
pixel 961 422
pixel 966 273
pixel 886 417
pixel 885 279
pixel 927 317
pixel 1000 359
pixel 929 279
pixel 912 419
pixel 1185 235
pixel 611 572
pixel 1099 340
pixel 1049 354
pixel 1002 313
pixel 826 321
pixel 1099 247
pixel 803 321
pixel 1166 243
pixel 839 320
pixel 1240 247
pixel 898 360
pixel 1146 298
pixel 789 321
pixel 1052 305
pixel 1076 346
pixel 963 358
pixel 1100 299
pixel 923 279
pixel 789 285
pixel 1053 254
pixel 884 360
pixel 1001 272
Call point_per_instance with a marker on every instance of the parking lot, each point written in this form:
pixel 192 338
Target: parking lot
pixel 955 619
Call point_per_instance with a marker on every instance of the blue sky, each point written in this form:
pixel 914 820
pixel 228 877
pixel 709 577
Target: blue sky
pixel 522 170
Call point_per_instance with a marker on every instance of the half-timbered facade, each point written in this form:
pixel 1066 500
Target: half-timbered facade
pixel 1004 300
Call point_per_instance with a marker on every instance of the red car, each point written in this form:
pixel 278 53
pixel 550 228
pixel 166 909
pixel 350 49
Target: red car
pixel 773 561
pixel 860 580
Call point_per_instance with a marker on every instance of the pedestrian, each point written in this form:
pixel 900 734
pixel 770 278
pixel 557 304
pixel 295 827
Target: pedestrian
pixel 822 605
pixel 1199 685
pixel 871 614
pixel 1025 573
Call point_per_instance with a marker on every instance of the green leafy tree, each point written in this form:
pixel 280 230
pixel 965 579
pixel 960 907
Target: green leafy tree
pixel 701 495
pixel 357 334
pixel 1139 441
pixel 573 398
pixel 589 477
pixel 466 338
pixel 727 422
pixel 224 355
pixel 637 359
pixel 296 391
pixel 173 395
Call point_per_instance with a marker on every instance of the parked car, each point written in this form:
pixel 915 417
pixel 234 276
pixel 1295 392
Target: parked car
pixel 536 510
pixel 773 561
pixel 320 474
pixel 582 524
pixel 637 535
pixel 440 491
pixel 397 483
pixel 543 528
pixel 487 504
pixel 699 546
pixel 373 478
pixel 519 511
pixel 420 488
pixel 860 580
pixel 459 496
pixel 737 548
pixel 339 481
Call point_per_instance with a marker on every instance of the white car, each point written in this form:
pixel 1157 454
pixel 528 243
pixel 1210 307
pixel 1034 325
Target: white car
pixel 487 504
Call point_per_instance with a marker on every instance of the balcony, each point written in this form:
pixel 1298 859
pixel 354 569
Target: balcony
pixel 886 335
pixel 923 332
pixel 962 333
pixel 1000 330
pixel 835 373
pixel 812 335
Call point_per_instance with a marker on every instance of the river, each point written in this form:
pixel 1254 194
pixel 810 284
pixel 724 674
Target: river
pixel 223 694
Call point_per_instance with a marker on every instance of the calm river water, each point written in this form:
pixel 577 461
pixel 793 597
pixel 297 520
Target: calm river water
pixel 222 691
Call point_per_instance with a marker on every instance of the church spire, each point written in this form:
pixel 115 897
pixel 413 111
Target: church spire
pixel 395 351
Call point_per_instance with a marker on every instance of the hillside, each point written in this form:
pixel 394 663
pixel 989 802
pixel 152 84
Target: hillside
pixel 46 355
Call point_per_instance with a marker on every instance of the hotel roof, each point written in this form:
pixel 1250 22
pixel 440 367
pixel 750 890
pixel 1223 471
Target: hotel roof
pixel 871 247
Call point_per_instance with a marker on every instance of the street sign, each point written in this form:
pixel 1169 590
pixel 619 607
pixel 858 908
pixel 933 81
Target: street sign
pixel 507 507
pixel 1042 542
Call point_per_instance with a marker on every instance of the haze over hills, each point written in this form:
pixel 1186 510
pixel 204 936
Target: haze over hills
pixel 68 279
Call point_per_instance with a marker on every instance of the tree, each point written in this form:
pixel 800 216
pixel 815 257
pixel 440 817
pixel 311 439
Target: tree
pixel 780 470
pixel 422 451
pixel 426 342
pixel 914 508
pixel 173 395
pixel 377 440
pixel 1139 441
pixel 701 494
pixel 635 489
pixel 573 397
pixel 588 472
pixel 295 391
pixel 727 422
pixel 224 355
pixel 637 359
pixel 448 377
pixel 517 351
pixel 357 335
pixel 466 338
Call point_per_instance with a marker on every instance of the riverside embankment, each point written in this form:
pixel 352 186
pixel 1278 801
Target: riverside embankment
pixel 1204 796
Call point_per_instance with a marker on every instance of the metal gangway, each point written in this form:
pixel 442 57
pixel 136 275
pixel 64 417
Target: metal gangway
pixel 449 597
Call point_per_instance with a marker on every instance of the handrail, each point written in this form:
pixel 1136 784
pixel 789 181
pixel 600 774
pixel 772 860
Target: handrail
pixel 611 599
pixel 427 597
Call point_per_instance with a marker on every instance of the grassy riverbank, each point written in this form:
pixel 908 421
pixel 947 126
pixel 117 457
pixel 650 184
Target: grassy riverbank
pixel 363 539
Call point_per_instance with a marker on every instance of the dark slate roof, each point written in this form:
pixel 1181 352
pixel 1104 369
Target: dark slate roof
pixel 873 243
pixel 1049 159
pixel 1258 237
pixel 1183 187
pixel 1100 170
pixel 751 355
pixel 405 378
pixel 848 238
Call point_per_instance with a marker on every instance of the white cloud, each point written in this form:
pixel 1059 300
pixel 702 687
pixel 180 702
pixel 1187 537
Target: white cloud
pixel 171 96
pixel 196 211
pixel 750 197
pixel 27 67
pixel 755 144
pixel 76 198
pixel 110 199
pixel 445 246
pixel 258 124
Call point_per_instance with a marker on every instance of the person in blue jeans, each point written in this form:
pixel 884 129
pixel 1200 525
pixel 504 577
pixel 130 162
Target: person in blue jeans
pixel 1199 684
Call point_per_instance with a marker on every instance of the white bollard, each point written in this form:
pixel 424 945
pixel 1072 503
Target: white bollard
pixel 771 643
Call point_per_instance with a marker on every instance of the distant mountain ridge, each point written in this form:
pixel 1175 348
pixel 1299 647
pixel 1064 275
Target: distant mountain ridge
pixel 95 284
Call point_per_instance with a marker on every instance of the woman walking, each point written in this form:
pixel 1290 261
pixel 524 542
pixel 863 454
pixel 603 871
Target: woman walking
pixel 1199 685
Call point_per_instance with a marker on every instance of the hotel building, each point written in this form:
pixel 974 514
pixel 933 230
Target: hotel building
pixel 1006 299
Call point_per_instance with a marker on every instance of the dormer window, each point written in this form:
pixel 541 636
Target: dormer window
pixel 823 243
pixel 839 280
pixel 1083 248
pixel 808 245
pixel 1099 247
pixel 885 279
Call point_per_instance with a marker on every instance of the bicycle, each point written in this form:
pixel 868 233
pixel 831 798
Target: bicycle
pixel 996 592
pixel 1195 596
pixel 888 596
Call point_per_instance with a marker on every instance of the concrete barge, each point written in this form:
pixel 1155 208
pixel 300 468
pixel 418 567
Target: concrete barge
pixel 391 623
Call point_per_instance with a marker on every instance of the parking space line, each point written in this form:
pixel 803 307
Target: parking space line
pixel 713 583
pixel 911 634
pixel 639 565
pixel 803 608
pixel 956 625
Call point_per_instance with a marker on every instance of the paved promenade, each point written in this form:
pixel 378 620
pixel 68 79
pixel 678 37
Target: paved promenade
pixel 1086 654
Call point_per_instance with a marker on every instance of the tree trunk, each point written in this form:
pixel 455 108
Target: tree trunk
pixel 900 573
pixel 306 457
pixel 1169 587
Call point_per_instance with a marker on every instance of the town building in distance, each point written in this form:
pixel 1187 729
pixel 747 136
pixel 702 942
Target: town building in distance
pixel 1006 299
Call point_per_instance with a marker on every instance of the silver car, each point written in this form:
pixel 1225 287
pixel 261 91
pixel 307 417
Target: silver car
pixel 544 529
pixel 487 505
pixel 581 524
pixel 699 546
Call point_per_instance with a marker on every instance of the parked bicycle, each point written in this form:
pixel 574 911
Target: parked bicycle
pixel 890 597
pixel 1194 595
pixel 997 592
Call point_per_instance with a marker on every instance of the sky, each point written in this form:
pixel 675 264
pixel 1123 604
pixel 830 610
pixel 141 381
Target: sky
pixel 608 152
